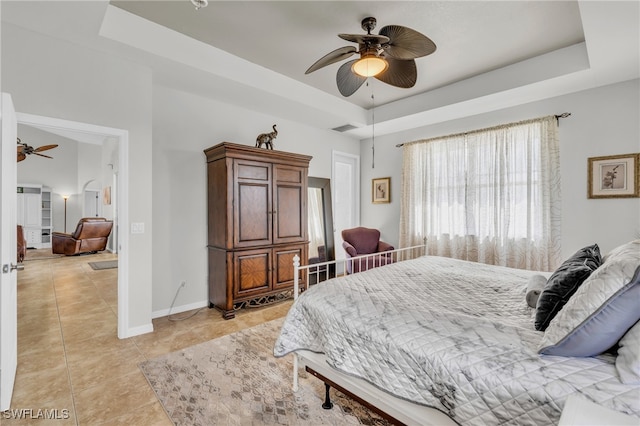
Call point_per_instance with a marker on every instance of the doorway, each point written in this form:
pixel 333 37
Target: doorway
pixel 92 203
pixel 346 196
pixel 73 130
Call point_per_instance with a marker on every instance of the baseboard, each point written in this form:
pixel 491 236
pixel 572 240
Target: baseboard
pixel 136 331
pixel 179 309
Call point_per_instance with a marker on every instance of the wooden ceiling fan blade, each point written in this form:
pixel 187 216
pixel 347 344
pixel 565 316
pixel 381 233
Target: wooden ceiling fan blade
pixel 406 43
pixel 348 81
pixel 331 57
pixel 45 147
pixel 21 156
pixel 365 38
pixel 42 155
pixel 401 73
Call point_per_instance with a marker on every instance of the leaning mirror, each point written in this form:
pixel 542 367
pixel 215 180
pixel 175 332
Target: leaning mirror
pixel 321 247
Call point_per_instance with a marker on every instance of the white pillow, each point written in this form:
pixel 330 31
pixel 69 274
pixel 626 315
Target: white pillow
pixel 601 311
pixel 623 250
pixel 628 360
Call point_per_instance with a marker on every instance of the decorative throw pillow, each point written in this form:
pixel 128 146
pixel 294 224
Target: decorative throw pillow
pixel 629 248
pixel 601 311
pixel 535 285
pixel 628 360
pixel 564 282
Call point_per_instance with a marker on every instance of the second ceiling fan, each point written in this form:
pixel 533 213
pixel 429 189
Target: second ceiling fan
pixel 24 150
pixel 389 57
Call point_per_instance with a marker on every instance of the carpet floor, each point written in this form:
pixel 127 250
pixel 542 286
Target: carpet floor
pixel 236 380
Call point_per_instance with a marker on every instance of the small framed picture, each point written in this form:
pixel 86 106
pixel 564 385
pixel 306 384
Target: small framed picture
pixel 106 195
pixel 614 176
pixel 381 190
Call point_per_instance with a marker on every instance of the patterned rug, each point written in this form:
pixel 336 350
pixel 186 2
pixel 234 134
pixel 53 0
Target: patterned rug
pixel 235 380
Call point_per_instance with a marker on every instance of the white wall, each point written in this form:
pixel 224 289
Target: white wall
pixel 59 173
pixel 54 78
pixel 184 125
pixel 167 176
pixel 89 167
pixel 604 121
pixel 86 86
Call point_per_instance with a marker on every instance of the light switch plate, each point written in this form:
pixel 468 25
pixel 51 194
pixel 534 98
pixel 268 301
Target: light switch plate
pixel 137 228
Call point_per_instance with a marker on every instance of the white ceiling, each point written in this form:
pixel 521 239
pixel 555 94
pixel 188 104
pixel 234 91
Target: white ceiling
pixel 490 54
pixel 288 36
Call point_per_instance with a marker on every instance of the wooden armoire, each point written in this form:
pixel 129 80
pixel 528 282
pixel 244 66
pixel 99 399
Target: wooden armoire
pixel 257 223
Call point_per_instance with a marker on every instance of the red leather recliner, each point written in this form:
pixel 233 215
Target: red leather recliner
pixel 362 241
pixel 90 236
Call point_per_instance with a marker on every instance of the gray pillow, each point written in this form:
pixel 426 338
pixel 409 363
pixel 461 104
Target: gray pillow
pixel 601 311
pixel 564 282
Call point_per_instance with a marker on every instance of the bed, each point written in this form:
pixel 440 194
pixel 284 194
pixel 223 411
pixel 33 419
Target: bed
pixel 433 340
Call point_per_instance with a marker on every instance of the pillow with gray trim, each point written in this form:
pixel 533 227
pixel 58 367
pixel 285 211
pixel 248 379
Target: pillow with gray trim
pixel 564 282
pixel 601 310
pixel 628 359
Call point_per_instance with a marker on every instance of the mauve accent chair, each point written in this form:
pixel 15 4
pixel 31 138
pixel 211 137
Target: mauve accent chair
pixel 362 241
pixel 90 236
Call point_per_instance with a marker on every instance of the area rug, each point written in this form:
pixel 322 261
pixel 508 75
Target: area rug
pixel 106 264
pixel 236 380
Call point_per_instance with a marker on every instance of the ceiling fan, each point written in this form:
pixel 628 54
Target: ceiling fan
pixel 24 150
pixel 389 57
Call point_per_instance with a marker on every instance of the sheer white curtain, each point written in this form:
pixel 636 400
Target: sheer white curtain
pixel 491 196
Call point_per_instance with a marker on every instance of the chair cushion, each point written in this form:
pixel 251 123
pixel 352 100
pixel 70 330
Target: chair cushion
pixel 95 230
pixel 77 234
pixel 364 240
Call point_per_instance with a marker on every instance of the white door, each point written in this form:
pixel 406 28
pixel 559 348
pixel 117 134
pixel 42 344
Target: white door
pixel 8 254
pixel 346 196
pixel 32 210
pixel 91 203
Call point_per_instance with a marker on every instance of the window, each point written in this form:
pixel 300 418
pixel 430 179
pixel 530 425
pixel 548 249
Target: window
pixel 491 195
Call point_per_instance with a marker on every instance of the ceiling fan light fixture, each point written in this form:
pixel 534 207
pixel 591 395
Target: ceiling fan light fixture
pixel 370 65
pixel 389 57
pixel 199 3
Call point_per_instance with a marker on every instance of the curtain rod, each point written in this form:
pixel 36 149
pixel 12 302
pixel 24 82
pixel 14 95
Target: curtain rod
pixel 557 116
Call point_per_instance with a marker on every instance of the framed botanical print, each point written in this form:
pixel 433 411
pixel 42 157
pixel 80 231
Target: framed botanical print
pixel 381 190
pixel 614 176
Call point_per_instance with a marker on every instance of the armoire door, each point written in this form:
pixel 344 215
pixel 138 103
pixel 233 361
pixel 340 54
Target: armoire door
pixel 283 265
pixel 252 272
pixel 252 204
pixel 290 204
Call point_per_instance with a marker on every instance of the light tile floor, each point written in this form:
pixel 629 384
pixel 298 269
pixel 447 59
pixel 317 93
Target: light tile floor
pixel 69 356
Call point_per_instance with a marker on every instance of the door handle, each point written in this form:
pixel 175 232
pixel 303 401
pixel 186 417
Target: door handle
pixel 6 268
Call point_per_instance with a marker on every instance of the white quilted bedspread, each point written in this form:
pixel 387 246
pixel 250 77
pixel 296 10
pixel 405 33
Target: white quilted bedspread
pixel 454 335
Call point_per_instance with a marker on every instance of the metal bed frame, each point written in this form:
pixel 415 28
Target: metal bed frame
pixel 394 409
